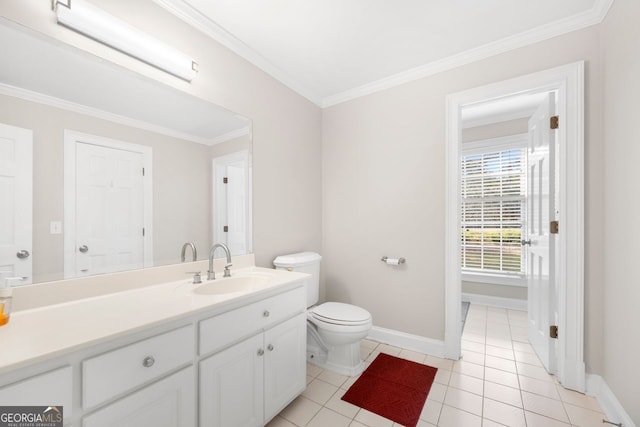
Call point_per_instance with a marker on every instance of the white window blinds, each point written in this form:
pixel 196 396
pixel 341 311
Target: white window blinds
pixel 493 202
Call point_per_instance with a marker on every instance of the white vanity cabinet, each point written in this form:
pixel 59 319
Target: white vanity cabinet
pixel 169 402
pixel 53 388
pixel 248 383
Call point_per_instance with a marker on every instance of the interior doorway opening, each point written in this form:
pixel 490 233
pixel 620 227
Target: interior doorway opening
pixel 559 199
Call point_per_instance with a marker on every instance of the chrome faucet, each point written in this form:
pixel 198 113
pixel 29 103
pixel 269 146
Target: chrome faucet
pixel 194 252
pixel 211 275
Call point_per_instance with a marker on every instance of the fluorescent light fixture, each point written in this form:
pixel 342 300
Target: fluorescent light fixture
pixel 87 19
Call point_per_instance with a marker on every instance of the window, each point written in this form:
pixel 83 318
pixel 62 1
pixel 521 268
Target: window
pixel 493 186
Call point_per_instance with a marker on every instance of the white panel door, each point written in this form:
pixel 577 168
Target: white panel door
pixel 540 211
pixel 16 209
pixel 109 210
pixel 231 202
pixel 285 372
pixel 231 386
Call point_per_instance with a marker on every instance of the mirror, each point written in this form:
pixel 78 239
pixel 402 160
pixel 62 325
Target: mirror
pixel 121 170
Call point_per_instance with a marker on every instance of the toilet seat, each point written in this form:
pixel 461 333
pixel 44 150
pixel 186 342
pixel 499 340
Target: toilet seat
pixel 337 313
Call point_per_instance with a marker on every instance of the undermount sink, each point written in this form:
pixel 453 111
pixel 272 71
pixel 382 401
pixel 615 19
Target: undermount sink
pixel 232 284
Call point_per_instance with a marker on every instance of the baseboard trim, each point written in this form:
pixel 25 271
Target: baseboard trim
pixel 500 302
pixel 613 410
pixel 408 341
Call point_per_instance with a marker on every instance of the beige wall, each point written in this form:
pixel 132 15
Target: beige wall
pixel 286 126
pixel 383 190
pixel 621 60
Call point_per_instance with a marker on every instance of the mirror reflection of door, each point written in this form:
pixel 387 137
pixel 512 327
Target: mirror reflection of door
pixel 231 201
pixel 16 210
pixel 109 231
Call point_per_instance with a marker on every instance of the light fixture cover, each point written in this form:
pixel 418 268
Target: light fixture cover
pixel 87 19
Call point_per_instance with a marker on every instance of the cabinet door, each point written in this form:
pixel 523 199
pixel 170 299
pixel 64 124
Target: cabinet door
pixel 167 403
pixel 231 386
pixel 285 363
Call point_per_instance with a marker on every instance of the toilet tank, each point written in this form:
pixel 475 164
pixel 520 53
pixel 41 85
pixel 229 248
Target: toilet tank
pixel 303 262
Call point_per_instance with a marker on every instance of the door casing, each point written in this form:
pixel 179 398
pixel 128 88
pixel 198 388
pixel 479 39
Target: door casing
pixel 568 81
pixel 71 138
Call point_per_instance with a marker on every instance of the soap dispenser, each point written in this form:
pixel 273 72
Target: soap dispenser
pixel 5 301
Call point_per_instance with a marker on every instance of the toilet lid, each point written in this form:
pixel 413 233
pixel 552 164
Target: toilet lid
pixel 337 312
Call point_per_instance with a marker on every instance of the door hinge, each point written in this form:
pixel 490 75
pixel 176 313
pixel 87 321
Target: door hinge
pixel 554 122
pixel 553 227
pixel 225 229
pixel 142 231
pixel 142 171
pixel 225 180
pixel 553 331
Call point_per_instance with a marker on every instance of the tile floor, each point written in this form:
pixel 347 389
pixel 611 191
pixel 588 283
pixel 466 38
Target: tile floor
pixel 498 382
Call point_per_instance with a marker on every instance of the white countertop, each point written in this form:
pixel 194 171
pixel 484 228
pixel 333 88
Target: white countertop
pixel 39 334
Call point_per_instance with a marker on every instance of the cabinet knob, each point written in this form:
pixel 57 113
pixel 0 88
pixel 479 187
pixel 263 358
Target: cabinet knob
pixel 148 361
pixel 270 347
pixel 260 352
pixel 266 313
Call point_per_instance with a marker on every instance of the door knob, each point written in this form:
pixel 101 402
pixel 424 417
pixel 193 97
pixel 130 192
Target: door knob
pixel 525 242
pixel 23 254
pixel 84 249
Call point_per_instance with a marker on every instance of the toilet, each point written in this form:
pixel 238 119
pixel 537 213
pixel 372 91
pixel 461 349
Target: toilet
pixel 334 329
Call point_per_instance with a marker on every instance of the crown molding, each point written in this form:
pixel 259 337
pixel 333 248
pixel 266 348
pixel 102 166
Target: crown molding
pixel 593 16
pixel 193 17
pixel 63 104
pixel 205 25
pixel 231 135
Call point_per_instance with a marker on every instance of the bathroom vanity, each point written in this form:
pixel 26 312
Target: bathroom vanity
pixel 228 352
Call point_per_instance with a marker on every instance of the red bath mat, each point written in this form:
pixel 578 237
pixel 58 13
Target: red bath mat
pixel 393 388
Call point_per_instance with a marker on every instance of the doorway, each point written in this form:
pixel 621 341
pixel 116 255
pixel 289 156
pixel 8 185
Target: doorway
pixel 564 304
pixel 16 199
pixel 107 205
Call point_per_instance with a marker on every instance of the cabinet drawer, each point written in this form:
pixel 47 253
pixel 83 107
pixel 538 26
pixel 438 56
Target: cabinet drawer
pixel 219 331
pixel 48 389
pixel 110 374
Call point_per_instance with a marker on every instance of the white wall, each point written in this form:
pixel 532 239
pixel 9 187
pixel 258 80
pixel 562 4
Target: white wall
pixel 621 61
pixel 286 126
pixel 383 190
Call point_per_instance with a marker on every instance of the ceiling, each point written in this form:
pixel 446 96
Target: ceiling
pixel 334 50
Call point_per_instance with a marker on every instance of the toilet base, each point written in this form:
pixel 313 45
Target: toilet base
pixel 343 360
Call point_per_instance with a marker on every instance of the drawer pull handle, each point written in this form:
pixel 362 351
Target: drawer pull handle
pixel 148 361
pixel 270 347
pixel 266 313
pixel 260 352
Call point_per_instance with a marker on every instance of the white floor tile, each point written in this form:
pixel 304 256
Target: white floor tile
pixel 536 420
pixel 372 420
pixel 326 417
pixel 466 383
pixel 501 377
pixel 280 422
pixel 333 378
pixel 500 363
pixel 584 417
pixel 439 363
pixel 543 388
pixel 319 391
pixel 464 400
pixel 473 357
pixel 300 411
pixel 529 358
pixel 431 411
pixel 544 406
pixel 437 392
pixel 389 349
pixel 340 406
pixel 504 353
pixel 577 399
pixel 443 376
pixel 413 356
pixel 453 417
pixel 313 370
pixel 503 413
pixel 531 371
pixel 502 393
pixel 470 369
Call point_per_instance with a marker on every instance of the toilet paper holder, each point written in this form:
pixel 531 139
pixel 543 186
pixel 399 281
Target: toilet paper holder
pixel 393 261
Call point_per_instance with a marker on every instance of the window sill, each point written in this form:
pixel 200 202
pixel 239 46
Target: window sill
pixel 496 279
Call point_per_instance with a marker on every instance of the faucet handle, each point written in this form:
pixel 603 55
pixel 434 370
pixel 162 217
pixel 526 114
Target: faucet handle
pixel 197 278
pixel 227 272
